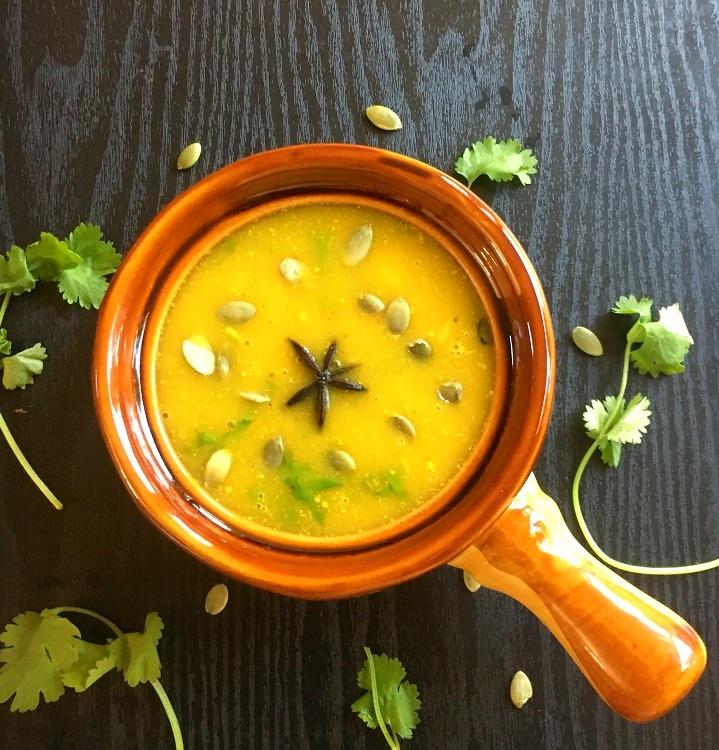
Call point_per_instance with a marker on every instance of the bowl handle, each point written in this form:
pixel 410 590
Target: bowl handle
pixel 641 657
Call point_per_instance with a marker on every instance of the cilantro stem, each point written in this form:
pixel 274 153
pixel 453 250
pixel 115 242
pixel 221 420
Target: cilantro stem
pixel 15 448
pixel 671 570
pixel 89 613
pixel 393 743
pixel 3 306
pixel 171 715
pixel 157 686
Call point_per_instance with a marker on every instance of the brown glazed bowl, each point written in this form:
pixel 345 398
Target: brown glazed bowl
pixel 493 521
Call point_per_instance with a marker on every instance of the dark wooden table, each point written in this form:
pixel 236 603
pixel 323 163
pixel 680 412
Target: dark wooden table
pixel 619 100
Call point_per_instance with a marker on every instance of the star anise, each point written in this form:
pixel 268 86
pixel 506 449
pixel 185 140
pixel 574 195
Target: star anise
pixel 326 376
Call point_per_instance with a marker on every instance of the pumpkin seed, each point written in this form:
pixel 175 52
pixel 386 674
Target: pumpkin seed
pixel 359 245
pixel 341 460
pixel 291 270
pixel 218 466
pixel 484 331
pixel 223 366
pixel 471 582
pixel 587 341
pixel 273 454
pixel 370 303
pixel 398 315
pixel 520 689
pixel 383 117
pixel 236 311
pixel 404 425
pixel 450 392
pixel 198 353
pixel 420 348
pixel 189 156
pixel 255 398
pixel 216 599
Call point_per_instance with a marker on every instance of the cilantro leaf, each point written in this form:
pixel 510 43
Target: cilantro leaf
pixel 389 673
pixel 386 483
pixel 83 286
pixel 397 699
pixel 632 422
pixel 20 369
pixel 305 485
pixel 364 708
pixel 239 427
pixel 94 661
pixel 628 425
pixel 322 248
pixel 663 344
pixel 39 646
pixel 5 345
pixel 610 452
pixel 402 710
pixel 396 484
pixel 630 305
pixel 500 161
pixel 207 440
pixel 596 414
pixel 86 283
pixel 49 256
pixel 136 653
pixel 87 241
pixel 15 275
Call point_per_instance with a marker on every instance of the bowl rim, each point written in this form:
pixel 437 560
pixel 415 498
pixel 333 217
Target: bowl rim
pixel 404 524
pixel 124 426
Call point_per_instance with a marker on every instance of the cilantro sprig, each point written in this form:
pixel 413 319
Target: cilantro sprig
pixel 79 265
pixel 654 347
pixel 500 161
pixel 390 703
pixel 44 654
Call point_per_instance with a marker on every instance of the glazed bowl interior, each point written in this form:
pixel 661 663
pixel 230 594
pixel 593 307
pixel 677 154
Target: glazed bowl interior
pixel 131 322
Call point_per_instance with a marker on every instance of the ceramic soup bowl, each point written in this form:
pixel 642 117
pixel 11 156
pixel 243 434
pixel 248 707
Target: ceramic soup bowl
pixel 491 520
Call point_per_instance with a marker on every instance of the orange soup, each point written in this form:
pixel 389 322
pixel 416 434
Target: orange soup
pixel 325 370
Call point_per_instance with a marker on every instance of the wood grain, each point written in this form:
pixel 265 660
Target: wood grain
pixel 620 102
